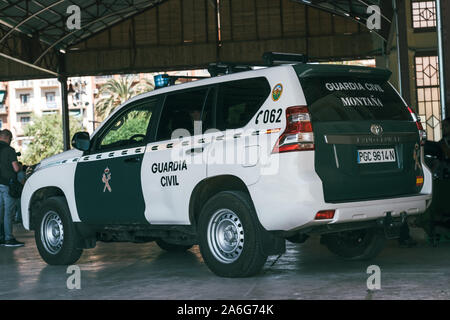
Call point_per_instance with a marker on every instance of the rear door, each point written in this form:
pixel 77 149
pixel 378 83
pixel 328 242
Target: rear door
pixel 174 164
pixel 367 143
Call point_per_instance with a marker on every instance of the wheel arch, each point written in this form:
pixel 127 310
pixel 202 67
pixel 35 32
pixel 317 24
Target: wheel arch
pixel 37 198
pixel 208 187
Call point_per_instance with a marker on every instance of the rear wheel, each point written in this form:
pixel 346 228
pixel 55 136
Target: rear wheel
pixel 355 245
pixel 229 235
pixel 55 234
pixel 170 247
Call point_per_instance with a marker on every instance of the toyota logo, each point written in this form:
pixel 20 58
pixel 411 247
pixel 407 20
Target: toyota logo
pixel 376 129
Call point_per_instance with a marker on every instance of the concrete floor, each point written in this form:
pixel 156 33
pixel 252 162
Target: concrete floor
pixel 143 271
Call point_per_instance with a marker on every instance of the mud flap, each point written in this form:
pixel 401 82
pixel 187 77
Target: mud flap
pixel 271 244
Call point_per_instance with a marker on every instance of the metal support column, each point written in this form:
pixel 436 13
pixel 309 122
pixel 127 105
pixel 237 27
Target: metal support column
pixel 65 112
pixel 65 102
pixel 443 29
pixel 402 49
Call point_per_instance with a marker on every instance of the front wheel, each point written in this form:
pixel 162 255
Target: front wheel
pixel 55 234
pixel 355 245
pixel 229 235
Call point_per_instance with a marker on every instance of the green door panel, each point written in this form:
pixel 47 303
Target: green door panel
pixel 109 191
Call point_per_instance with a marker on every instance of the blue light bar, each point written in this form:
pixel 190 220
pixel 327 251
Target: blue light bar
pixel 161 81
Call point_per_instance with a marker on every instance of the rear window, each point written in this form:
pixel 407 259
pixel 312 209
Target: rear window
pixel 180 111
pixel 239 100
pixel 352 99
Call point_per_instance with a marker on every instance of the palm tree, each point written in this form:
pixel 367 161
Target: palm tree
pixel 116 92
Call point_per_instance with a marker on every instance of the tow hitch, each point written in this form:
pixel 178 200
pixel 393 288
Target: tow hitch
pixel 392 225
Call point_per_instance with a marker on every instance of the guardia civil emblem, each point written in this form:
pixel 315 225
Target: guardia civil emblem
pixel 105 179
pixel 277 91
pixel 376 129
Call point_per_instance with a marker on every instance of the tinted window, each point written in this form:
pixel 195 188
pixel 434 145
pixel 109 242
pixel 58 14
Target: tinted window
pixel 238 101
pixel 207 115
pixel 180 113
pixel 352 99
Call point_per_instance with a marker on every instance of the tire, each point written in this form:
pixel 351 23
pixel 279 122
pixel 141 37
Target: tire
pixel 362 244
pixel 170 247
pixel 229 235
pixel 55 234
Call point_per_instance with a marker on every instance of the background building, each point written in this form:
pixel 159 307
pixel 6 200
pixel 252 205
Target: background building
pixel 4 121
pixel 42 97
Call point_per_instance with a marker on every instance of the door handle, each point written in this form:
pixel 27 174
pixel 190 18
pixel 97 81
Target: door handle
pixel 133 160
pixel 195 150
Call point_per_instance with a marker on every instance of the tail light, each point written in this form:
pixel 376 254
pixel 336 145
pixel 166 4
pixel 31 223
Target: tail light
pixel 422 132
pixel 298 135
pixel 325 215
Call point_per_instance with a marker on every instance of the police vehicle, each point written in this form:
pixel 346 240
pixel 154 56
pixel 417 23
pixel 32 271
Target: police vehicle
pixel 238 163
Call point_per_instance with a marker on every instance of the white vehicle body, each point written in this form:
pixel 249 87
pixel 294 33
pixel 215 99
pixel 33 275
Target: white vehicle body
pixel 285 188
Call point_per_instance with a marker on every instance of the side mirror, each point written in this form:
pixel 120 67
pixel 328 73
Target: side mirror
pixel 81 141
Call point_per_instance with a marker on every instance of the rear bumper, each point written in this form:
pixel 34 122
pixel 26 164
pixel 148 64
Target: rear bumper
pixel 359 214
pixel 289 200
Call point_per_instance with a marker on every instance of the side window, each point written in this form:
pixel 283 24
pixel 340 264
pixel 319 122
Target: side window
pixel 238 101
pixel 180 112
pixel 207 115
pixel 129 129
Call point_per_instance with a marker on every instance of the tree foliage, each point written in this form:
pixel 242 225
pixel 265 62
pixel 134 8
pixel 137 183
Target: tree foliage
pixel 46 137
pixel 135 123
pixel 115 92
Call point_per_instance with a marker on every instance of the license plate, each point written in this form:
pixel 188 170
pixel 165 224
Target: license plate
pixel 376 156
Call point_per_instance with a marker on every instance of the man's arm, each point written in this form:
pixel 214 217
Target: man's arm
pixel 16 166
pixel 13 158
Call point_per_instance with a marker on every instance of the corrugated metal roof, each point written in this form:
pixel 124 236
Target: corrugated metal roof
pixel 35 32
pixel 31 30
pixel 47 20
pixel 357 10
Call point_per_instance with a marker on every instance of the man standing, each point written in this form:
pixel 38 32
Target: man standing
pixel 9 166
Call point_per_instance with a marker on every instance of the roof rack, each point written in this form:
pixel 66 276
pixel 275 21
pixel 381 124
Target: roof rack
pixel 270 59
pixel 221 68
pixel 277 58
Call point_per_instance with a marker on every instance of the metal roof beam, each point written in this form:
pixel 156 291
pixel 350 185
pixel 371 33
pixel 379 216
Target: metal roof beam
pixel 85 10
pixel 153 4
pixel 10 5
pixel 346 8
pixel 106 25
pixel 17 6
pixel 27 19
pixel 84 27
pixel 29 64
